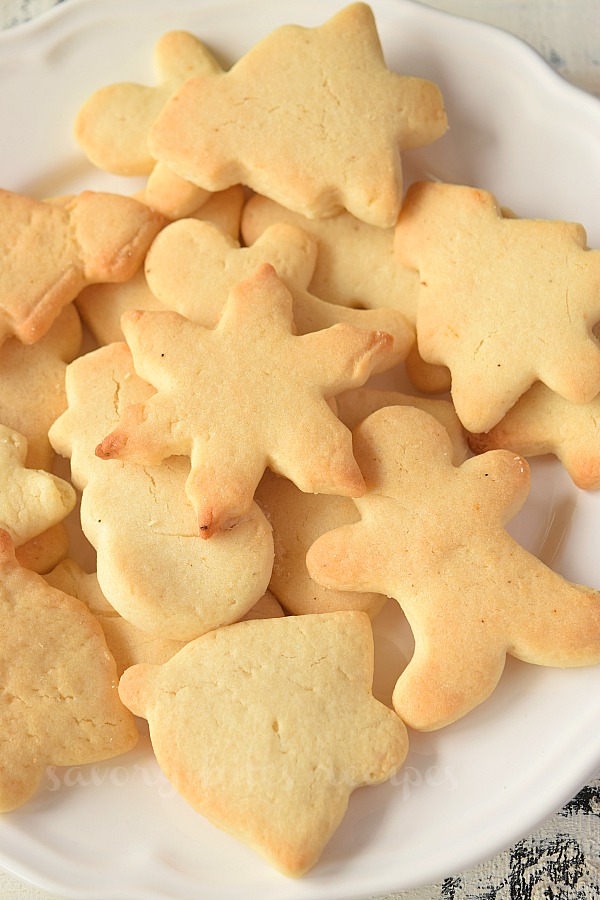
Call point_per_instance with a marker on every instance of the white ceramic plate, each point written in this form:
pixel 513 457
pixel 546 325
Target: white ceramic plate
pixel 118 830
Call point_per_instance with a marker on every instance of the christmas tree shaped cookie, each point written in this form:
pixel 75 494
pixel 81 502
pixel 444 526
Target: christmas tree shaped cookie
pixel 310 117
pixel 503 302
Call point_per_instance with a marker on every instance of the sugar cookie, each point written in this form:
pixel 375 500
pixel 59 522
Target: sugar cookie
pixel 319 121
pixel 31 500
pixel 151 566
pixel 355 405
pixel 209 264
pixel 356 265
pixel 267 727
pixel 432 536
pixel 59 684
pixel 89 238
pixel 32 391
pixel 492 300
pixel 543 422
pixel 298 519
pixel 102 305
pixel 44 552
pixel 284 421
pixel 113 124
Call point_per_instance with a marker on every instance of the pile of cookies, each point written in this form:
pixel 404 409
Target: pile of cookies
pixel 252 494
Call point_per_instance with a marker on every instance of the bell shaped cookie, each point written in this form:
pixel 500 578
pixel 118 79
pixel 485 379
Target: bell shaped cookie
pixel 266 728
pixel 60 706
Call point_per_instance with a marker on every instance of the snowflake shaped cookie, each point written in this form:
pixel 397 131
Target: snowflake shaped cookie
pixel 243 396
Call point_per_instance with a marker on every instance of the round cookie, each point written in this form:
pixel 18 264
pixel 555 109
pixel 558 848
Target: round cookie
pixel 151 566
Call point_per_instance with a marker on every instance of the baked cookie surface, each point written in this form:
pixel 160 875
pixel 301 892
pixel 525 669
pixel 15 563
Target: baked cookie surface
pixel 503 302
pixel 335 115
pixel 266 728
pixel 59 702
pixel 234 417
pixel 432 535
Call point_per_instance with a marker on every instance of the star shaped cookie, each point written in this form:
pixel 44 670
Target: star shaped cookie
pixel 432 535
pixel 243 396
pixel 310 117
pixel 267 727
pixel 504 302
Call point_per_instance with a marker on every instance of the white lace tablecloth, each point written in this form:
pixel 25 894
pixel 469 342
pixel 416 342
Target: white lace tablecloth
pixel 561 860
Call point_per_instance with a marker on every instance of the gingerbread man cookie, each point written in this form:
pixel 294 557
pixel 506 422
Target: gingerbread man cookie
pixel 432 535
pixel 113 124
pixel 192 266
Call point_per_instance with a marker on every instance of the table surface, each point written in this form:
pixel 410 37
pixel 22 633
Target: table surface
pixel 561 860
